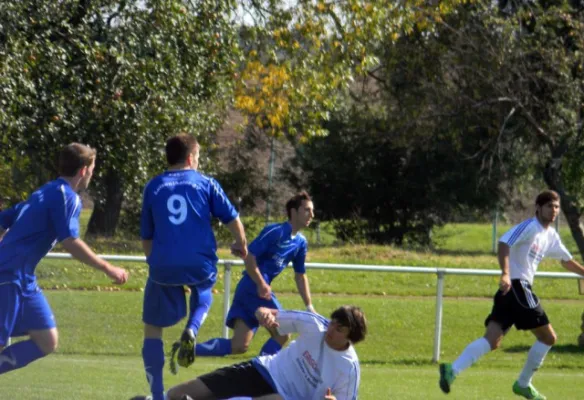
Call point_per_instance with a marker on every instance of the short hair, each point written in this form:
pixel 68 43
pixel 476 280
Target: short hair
pixel 73 157
pixel 546 196
pixel 353 318
pixel 296 201
pixel 179 147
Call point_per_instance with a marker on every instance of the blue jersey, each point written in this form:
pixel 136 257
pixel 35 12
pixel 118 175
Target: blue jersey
pixel 273 249
pixel 176 215
pixel 48 216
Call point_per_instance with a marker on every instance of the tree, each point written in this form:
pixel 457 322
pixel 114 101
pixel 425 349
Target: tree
pixel 118 75
pixel 516 73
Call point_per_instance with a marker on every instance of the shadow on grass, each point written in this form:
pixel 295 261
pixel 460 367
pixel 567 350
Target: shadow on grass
pixel 559 349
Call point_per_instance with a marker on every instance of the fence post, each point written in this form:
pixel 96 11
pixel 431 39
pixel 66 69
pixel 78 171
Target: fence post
pixel 495 220
pixel 438 324
pixel 226 297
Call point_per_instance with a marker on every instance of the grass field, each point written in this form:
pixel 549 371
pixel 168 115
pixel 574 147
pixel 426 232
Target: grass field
pixel 100 325
pixel 100 346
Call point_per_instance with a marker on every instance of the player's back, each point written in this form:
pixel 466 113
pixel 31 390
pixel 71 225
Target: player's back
pixel 176 216
pixel 34 227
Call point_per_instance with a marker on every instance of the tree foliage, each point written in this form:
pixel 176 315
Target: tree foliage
pixel 118 75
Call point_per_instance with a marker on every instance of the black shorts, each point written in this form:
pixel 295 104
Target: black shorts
pixel 519 307
pixel 237 380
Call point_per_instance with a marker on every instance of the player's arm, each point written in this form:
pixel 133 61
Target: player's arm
pixel 304 290
pixel 147 247
pixel 239 248
pixel 503 257
pixel 81 251
pixel 573 266
pixel 251 267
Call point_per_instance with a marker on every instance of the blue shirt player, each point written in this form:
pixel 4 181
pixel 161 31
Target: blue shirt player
pixel 180 247
pixel 275 247
pixel 28 231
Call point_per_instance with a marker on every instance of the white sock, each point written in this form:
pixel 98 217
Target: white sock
pixel 470 355
pixel 535 358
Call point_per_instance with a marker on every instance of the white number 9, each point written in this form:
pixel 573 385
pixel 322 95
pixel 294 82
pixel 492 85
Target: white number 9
pixel 179 214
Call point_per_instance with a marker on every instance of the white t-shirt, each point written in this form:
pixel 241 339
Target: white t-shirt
pixel 529 243
pixel 308 366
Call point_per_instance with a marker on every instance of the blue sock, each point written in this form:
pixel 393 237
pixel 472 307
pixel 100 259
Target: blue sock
pixel 153 355
pixel 199 305
pixel 19 355
pixel 214 347
pixel 270 347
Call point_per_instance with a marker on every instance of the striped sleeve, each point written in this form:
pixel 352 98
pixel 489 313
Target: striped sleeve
pixel 269 235
pixel 64 213
pixel 519 233
pixel 300 322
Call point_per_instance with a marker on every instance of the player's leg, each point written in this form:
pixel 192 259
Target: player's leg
pixel 276 341
pixel 545 339
pixel 200 302
pixel 163 306
pixel 241 319
pixel 30 315
pixel 241 379
pixel 497 325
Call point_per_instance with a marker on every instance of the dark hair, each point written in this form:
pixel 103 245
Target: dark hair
pixel 296 201
pixel 179 147
pixel 545 197
pixel 353 318
pixel 73 157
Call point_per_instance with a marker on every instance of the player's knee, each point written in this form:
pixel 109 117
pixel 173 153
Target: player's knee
pixel 47 342
pixel 494 342
pixel 550 339
pixel 239 348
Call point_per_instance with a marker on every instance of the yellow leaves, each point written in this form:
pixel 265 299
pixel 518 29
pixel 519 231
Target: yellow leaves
pixel 264 95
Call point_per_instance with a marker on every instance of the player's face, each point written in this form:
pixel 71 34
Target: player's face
pixel 337 336
pixel 549 211
pixel 305 213
pixel 87 177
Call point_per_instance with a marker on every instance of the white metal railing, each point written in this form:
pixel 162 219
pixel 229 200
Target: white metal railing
pixel 439 272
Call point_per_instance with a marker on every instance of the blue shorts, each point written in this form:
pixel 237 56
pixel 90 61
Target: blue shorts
pixel 165 306
pixel 21 313
pixel 244 307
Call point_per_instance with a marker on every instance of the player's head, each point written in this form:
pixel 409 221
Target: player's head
pixel 348 324
pixel 547 206
pixel 300 209
pixel 77 161
pixel 182 150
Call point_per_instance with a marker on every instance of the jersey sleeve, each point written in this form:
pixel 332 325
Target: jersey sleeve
pixel 558 251
pixel 300 258
pixel 300 322
pixel 221 207
pixel 146 218
pixel 347 388
pixel 64 214
pixel 268 236
pixel 8 216
pixel 519 233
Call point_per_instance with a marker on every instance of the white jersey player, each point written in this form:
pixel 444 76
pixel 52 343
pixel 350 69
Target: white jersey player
pixel 520 251
pixel 320 364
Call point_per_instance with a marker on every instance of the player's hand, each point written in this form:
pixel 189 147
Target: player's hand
pixel 266 317
pixel 239 250
pixel 310 309
pixel 505 283
pixel 265 291
pixel 118 275
pixel 329 395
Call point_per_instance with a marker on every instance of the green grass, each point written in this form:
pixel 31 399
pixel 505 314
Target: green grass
pixel 101 330
pixel 100 341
